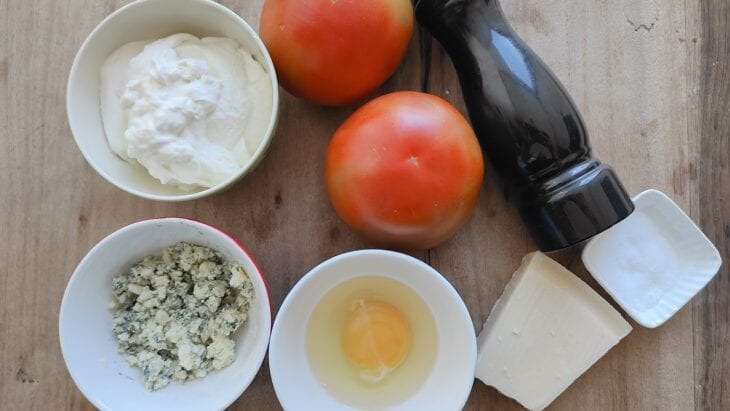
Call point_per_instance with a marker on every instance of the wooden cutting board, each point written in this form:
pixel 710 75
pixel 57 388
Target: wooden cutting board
pixel 652 79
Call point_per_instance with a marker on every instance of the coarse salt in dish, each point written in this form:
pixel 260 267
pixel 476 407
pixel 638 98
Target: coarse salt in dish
pixel 654 261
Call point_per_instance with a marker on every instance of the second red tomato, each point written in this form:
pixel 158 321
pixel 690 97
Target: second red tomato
pixel 405 170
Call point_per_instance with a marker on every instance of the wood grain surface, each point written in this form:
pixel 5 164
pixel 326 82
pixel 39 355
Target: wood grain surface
pixel 652 79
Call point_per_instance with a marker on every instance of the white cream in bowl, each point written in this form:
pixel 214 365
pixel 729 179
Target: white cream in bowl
pixel 145 21
pixel 191 111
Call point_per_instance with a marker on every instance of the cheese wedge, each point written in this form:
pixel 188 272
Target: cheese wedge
pixel 546 330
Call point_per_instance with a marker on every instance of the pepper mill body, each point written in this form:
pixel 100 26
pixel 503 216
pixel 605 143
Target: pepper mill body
pixel 527 124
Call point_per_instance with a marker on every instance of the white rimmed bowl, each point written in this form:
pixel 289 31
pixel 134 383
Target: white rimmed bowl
pixel 151 20
pixel 651 298
pixel 85 323
pixel 451 378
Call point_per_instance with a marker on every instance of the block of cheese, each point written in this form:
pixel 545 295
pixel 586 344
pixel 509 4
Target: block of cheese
pixel 547 329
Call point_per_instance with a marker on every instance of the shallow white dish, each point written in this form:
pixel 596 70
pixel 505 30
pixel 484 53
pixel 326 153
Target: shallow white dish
pixel 450 381
pixel 85 323
pixel 675 264
pixel 151 20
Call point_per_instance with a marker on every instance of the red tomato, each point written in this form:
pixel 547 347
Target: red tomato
pixel 335 52
pixel 404 170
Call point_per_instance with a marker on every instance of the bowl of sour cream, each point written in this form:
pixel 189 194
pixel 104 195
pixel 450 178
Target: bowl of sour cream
pixel 173 100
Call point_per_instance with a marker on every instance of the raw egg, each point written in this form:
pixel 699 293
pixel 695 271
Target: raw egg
pixel 376 338
pixel 371 342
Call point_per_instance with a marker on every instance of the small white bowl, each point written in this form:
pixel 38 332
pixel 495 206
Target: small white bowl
pixel 85 323
pixel 653 262
pixel 451 378
pixel 151 20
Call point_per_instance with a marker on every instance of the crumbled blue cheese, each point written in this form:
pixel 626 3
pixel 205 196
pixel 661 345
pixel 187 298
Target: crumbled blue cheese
pixel 175 313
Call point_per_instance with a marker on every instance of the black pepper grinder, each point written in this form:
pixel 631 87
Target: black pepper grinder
pixel 527 124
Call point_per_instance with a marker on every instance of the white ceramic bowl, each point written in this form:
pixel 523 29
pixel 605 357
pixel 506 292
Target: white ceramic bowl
pixel 451 378
pixel 151 20
pixel 85 323
pixel 653 262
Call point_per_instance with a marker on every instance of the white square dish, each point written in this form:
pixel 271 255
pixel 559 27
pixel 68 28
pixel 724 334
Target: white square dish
pixel 653 262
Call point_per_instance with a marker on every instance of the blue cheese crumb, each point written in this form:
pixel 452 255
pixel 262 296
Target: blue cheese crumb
pixel 175 313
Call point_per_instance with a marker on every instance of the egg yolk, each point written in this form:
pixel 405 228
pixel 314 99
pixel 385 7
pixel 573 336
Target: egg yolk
pixel 376 338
